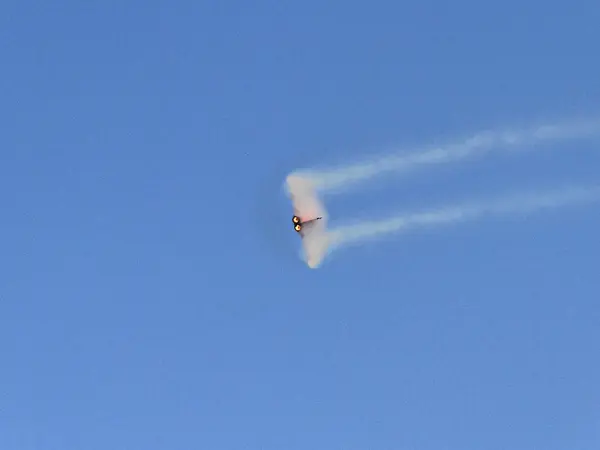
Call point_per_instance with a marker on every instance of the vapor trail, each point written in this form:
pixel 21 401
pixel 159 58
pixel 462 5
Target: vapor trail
pixel 337 179
pixel 522 203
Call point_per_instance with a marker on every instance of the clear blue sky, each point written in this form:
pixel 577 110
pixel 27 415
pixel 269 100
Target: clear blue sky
pixel 150 291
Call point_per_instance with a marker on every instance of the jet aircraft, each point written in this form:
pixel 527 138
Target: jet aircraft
pixel 309 219
pixel 303 226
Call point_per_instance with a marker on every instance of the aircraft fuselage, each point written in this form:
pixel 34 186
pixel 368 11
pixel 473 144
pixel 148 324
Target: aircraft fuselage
pixel 298 223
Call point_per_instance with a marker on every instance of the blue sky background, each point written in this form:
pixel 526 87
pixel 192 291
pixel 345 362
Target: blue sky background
pixel 150 291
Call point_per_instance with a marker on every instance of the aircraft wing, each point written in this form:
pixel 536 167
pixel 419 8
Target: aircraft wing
pixel 315 241
pixel 311 227
pixel 305 202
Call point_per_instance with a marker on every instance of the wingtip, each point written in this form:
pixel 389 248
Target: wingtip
pixel 313 264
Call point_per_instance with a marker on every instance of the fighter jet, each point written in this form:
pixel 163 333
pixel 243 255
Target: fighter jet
pixel 302 226
pixel 309 219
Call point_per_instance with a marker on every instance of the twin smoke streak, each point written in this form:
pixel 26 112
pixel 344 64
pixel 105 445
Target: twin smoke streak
pixel 339 179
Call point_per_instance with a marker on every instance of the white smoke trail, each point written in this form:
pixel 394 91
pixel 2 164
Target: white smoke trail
pixel 522 203
pixel 336 179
